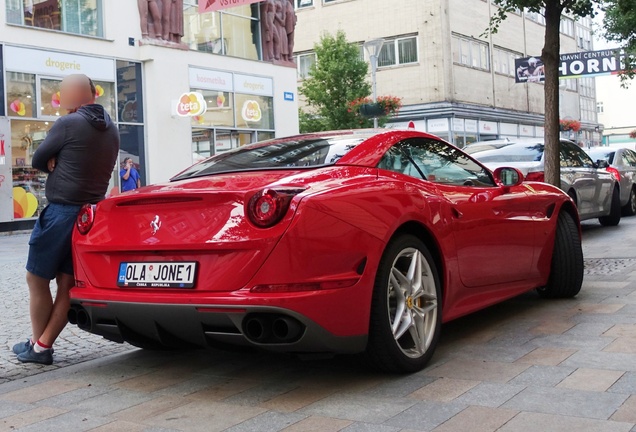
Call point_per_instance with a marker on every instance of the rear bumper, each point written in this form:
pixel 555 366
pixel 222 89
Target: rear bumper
pixel 207 325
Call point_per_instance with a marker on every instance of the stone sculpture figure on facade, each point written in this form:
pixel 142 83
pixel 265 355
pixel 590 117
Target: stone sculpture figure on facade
pixel 161 20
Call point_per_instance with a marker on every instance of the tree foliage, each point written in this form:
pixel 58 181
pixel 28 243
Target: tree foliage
pixel 337 78
pixel 619 23
pixel 550 55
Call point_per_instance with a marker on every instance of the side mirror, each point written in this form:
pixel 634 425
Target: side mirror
pixel 601 164
pixel 508 177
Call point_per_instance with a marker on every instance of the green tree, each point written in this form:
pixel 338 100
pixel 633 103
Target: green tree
pixel 337 78
pixel 552 10
pixel 620 26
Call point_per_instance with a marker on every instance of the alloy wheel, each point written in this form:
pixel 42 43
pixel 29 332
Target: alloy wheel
pixel 412 302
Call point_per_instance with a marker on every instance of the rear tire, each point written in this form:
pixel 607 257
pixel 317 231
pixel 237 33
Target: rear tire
pixel 614 217
pixel 406 308
pixel 629 209
pixel 566 271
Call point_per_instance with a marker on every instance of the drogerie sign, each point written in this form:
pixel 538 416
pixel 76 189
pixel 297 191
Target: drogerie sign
pixel 572 65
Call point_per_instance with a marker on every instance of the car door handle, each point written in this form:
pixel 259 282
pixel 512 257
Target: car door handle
pixel 456 213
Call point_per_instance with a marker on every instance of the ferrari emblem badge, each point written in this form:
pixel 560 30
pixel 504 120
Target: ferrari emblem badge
pixel 155 224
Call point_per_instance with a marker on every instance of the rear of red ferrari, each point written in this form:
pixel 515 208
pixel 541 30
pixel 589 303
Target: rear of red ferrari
pixel 229 258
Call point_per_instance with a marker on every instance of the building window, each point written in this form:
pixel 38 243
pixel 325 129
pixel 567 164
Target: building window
pixel 504 61
pixel 233 32
pixel 304 3
pixel 538 17
pixel 599 107
pixel 82 17
pixel 304 62
pixel 587 87
pixel 398 51
pixel 567 27
pixel 583 37
pixel 588 109
pixel 471 53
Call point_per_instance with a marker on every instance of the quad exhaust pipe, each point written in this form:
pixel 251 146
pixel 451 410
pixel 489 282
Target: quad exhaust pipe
pixel 77 315
pixel 272 329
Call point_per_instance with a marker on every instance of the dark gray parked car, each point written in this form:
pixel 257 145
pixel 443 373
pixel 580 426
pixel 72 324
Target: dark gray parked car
pixel 623 164
pixel 594 190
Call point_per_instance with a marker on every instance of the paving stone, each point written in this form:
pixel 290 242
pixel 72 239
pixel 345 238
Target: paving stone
pixel 490 394
pixel 268 421
pixel 204 416
pixel 627 411
pixel 426 415
pixel 478 370
pixel 120 426
pixel 602 360
pixel 597 380
pixel 369 427
pixel 356 408
pixel 42 391
pixel 71 421
pixel 112 402
pixel 318 424
pixel 575 342
pixel 26 418
pixel 566 402
pixel 444 389
pixel 625 345
pixel 589 329
pixel 626 384
pixel 530 421
pixel 546 356
pixel 477 419
pixel 150 408
pixel 399 386
pixel 546 376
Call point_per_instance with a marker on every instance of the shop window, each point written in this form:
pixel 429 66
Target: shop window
pixel 131 146
pixel 254 112
pixel 201 144
pixel 129 92
pixel 28 183
pixel 82 17
pixel 398 51
pixel 50 97
pixel 304 62
pixel 234 32
pixel 21 100
pixel 220 110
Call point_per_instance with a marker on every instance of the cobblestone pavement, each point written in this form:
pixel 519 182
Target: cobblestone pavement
pixel 524 365
pixel 73 346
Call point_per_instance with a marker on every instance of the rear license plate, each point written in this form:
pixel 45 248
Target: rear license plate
pixel 157 274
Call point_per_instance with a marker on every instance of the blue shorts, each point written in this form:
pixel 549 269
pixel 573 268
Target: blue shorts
pixel 50 243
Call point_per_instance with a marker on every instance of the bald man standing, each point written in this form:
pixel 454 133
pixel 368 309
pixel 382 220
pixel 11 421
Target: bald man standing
pixel 79 154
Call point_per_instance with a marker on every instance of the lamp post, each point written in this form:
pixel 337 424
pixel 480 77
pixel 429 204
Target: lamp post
pixel 373 48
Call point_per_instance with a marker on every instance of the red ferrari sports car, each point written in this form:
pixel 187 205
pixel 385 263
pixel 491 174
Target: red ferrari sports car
pixel 337 242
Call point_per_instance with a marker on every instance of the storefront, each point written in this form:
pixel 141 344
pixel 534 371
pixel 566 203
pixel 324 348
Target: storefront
pixel 31 80
pixel 239 110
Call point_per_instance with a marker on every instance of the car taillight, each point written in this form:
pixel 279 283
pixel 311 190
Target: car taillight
pixel 614 172
pixel 537 176
pixel 267 207
pixel 85 218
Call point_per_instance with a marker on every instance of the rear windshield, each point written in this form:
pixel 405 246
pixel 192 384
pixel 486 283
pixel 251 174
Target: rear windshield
pixel 512 153
pixel 603 155
pixel 299 152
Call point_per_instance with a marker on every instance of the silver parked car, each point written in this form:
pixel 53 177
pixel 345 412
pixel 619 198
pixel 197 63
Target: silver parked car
pixel 622 163
pixel 594 190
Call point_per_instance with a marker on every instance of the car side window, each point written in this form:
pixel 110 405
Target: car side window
pixel 631 157
pixel 575 156
pixel 439 162
pixel 397 161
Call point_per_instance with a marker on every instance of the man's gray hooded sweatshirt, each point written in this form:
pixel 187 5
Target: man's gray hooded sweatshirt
pixel 86 145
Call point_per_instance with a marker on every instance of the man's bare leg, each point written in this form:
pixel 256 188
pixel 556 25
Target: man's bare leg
pixel 40 303
pixel 59 314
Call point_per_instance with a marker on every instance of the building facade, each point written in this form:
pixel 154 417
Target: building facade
pixel 139 82
pixel 454 82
